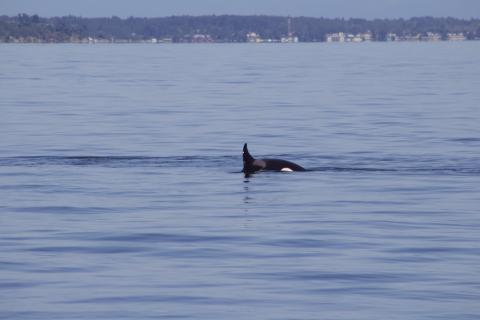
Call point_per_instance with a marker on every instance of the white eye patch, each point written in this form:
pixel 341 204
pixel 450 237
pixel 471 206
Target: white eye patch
pixel 286 170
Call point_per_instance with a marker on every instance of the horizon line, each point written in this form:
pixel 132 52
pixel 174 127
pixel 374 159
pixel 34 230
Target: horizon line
pixel 237 15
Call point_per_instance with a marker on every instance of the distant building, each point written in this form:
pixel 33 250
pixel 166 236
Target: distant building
pixel 415 37
pixel 335 37
pixel 201 38
pixel 253 37
pixel 290 38
pixel 343 37
pixel 367 36
pixel 391 36
pixel 358 38
pixel 431 36
pixel 456 37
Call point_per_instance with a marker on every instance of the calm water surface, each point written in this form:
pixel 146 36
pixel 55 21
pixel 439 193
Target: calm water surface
pixel 121 197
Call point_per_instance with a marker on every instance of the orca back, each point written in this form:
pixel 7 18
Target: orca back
pixel 252 165
pixel 279 164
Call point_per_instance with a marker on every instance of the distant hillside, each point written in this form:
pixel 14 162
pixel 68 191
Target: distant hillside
pixel 224 28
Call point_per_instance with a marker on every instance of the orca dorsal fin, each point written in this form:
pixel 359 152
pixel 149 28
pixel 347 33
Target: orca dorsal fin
pixel 247 161
pixel 247 157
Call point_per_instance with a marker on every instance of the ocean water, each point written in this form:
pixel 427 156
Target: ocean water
pixel 121 195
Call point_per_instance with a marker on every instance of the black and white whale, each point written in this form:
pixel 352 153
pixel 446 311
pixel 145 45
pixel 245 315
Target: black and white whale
pixel 252 165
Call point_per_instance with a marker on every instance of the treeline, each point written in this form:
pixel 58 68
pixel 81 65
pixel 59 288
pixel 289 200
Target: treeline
pixel 223 28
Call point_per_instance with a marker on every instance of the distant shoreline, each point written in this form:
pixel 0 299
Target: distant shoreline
pixel 225 43
pixel 232 29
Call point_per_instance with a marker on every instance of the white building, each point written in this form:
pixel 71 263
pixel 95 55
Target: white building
pixel 456 37
pixel 335 37
pixel 289 39
pixel 253 37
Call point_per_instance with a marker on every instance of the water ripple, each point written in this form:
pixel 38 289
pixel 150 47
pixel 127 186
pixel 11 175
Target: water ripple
pixel 347 164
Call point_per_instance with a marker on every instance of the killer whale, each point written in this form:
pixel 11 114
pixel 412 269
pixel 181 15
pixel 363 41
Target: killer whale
pixel 252 165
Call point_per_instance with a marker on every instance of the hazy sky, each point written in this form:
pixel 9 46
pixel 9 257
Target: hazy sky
pixel 313 8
